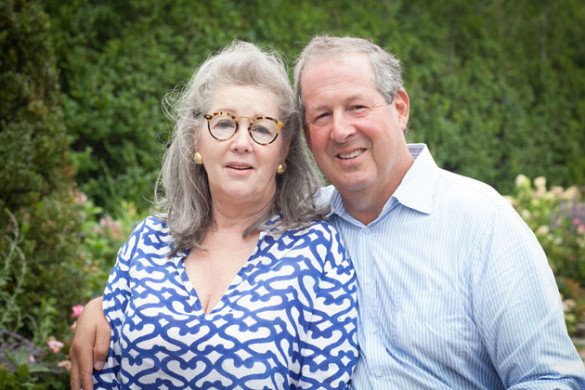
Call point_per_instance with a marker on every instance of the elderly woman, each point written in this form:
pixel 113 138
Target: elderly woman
pixel 237 283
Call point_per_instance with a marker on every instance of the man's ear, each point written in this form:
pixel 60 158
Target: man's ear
pixel 402 104
pixel 307 135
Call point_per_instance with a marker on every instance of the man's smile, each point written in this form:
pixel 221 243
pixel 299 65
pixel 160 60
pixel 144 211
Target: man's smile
pixel 350 155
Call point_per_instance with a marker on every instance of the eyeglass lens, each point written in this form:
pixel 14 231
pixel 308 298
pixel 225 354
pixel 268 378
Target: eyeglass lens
pixel 263 130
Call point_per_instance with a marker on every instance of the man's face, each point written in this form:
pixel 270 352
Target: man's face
pixel 356 137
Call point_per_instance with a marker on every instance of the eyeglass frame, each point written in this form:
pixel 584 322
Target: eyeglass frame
pixel 251 120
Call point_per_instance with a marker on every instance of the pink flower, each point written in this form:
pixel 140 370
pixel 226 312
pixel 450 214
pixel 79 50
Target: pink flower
pixel 66 364
pixel 113 227
pixel 55 345
pixel 80 198
pixel 77 309
pixel 576 222
pixel 31 359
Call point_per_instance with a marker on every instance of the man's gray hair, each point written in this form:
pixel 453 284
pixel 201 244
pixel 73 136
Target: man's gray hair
pixel 182 196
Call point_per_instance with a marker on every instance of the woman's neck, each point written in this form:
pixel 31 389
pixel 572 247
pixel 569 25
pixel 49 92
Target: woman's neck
pixel 238 217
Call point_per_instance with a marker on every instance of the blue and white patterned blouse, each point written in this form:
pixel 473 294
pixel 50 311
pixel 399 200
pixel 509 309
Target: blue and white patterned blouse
pixel 287 321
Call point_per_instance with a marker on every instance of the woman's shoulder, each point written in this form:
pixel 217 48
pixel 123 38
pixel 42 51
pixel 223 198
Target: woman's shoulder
pixel 150 227
pixel 150 223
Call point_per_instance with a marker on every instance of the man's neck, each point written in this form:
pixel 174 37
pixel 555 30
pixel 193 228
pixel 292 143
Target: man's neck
pixel 366 206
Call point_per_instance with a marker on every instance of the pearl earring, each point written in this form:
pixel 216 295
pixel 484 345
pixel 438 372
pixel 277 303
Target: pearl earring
pixel 281 168
pixel 197 158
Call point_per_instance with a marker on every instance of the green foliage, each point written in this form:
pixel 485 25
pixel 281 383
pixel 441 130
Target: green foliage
pixel 32 136
pixel 24 365
pixel 32 364
pixel 102 237
pixel 39 223
pixel 14 267
pixel 43 273
pixel 18 380
pixel 490 88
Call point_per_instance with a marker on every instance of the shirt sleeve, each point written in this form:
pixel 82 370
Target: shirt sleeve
pixel 115 301
pixel 329 353
pixel 519 310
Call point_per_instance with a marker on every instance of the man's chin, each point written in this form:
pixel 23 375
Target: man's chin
pixel 351 186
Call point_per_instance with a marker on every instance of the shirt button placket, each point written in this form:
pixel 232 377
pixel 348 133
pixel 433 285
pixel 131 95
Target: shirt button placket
pixel 366 230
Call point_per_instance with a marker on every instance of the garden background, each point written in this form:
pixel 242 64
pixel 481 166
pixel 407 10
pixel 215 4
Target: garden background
pixel 497 90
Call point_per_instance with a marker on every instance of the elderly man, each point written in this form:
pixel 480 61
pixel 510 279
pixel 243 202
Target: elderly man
pixel 455 291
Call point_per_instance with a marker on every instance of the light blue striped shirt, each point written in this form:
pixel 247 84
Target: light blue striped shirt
pixel 454 291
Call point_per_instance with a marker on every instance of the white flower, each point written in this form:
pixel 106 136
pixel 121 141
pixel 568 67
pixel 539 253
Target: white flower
pixel 568 305
pixel 522 181
pixel 542 230
pixel 540 183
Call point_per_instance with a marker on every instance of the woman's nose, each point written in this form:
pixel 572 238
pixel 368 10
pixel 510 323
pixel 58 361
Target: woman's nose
pixel 242 141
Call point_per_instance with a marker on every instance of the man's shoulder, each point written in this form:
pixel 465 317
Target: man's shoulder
pixel 466 192
pixel 468 185
pixel 325 194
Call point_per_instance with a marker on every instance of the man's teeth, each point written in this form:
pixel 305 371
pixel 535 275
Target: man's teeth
pixel 353 154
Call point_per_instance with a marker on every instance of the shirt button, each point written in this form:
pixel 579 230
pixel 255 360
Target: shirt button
pixel 379 372
pixel 368 280
pixel 374 330
pixel 367 230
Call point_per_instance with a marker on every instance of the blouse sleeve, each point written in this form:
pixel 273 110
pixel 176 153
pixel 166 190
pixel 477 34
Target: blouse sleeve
pixel 115 301
pixel 330 352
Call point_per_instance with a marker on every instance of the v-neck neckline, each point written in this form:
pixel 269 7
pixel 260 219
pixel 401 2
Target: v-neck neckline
pixel 239 277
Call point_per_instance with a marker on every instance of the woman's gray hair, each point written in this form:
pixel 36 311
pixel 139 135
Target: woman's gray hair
pixel 386 68
pixel 184 201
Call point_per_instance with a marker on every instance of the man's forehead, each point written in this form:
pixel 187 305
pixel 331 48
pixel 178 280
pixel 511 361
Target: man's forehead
pixel 345 67
pixel 339 56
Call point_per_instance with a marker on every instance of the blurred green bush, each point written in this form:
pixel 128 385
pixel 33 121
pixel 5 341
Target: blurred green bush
pixel 42 273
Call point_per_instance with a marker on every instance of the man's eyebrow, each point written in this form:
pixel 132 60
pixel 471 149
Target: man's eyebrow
pixel 316 108
pixel 347 100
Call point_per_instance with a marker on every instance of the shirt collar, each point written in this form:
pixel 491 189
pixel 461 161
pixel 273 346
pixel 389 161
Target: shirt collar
pixel 416 191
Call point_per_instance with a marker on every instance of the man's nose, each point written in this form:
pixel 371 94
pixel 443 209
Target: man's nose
pixel 341 128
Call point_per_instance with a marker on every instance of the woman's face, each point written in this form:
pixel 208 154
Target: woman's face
pixel 240 171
